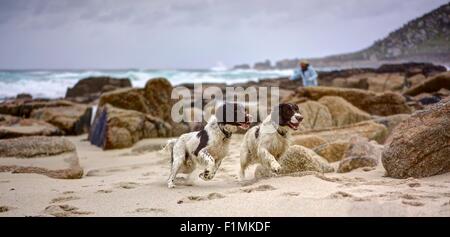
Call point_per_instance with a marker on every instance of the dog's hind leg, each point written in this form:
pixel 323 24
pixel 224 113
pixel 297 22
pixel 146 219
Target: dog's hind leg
pixel 176 165
pixel 178 156
pixel 245 162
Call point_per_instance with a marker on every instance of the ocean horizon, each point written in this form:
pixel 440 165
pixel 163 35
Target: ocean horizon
pixel 53 83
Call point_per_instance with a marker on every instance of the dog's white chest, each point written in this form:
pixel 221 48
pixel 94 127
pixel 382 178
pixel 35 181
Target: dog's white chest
pixel 278 147
pixel 218 149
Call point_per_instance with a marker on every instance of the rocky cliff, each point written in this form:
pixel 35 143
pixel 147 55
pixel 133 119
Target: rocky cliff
pixel 424 39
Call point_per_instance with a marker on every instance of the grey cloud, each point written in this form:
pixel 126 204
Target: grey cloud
pixel 191 33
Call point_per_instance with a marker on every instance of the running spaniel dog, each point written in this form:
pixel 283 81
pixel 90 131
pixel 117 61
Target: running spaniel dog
pixel 266 143
pixel 209 146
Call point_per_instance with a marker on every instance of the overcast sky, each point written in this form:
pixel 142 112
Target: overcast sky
pixel 145 34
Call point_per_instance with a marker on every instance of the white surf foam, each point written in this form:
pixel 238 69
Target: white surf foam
pixel 53 84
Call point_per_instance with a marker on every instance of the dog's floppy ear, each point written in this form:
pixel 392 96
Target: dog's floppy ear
pixel 281 114
pixel 295 107
pixel 276 113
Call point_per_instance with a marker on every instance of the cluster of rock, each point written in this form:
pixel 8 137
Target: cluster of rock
pixel 297 159
pixel 265 65
pixel 394 77
pixel 358 128
pixel 89 89
pixel 28 128
pixel 360 153
pixel 12 127
pixel 128 115
pixel 351 119
pixel 29 117
pixel 429 90
pixel 382 104
pixel 420 84
pixel 343 124
pixel 387 77
pixel 420 146
pixel 123 116
pixel 242 66
pixel 54 157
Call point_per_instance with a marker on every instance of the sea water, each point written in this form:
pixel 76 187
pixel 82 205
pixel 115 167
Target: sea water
pixel 54 83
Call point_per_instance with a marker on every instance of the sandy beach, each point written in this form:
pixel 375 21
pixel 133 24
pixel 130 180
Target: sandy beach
pixel 328 108
pixel 130 183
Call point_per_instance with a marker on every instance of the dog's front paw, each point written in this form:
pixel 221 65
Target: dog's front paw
pixel 275 167
pixel 171 185
pixel 206 175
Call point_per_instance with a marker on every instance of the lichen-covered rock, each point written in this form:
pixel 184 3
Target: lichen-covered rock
pixel 360 153
pixel 154 99
pixel 149 145
pixel 72 120
pixel 372 81
pixel 382 104
pixel 412 68
pixel 391 121
pixel 415 80
pixel 34 146
pixel 430 85
pixel 54 157
pixel 13 127
pixel 386 82
pixel 361 146
pixel 115 128
pixel 24 107
pixel 298 159
pixel 316 115
pixel 443 92
pixel 129 115
pixel 352 163
pixel 158 93
pixel 127 98
pixel 359 81
pixel 420 145
pixel 308 141
pixel 69 117
pixel 24 96
pixel 368 129
pixel 94 86
pixel 333 151
pixel 342 112
pixel 178 129
pixel 385 104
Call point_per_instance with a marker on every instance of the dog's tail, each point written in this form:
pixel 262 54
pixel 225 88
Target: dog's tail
pixel 168 148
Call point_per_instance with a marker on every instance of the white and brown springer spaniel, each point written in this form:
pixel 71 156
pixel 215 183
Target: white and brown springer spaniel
pixel 209 146
pixel 267 142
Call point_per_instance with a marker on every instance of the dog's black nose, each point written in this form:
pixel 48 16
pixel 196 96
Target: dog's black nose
pixel 299 118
